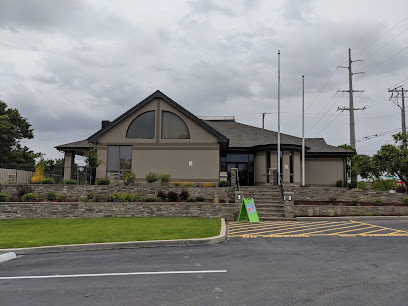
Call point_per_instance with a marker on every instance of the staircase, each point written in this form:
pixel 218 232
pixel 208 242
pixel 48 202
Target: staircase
pixel 268 201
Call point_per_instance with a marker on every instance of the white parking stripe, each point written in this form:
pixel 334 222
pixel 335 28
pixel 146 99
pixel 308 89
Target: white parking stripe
pixel 111 274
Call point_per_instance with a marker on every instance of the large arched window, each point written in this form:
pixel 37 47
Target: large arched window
pixel 142 126
pixel 173 127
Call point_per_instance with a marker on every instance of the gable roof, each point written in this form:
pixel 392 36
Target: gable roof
pixel 160 95
pixel 247 136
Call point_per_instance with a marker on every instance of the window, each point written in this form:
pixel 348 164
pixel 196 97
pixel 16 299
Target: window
pixel 119 159
pixel 173 127
pixel 142 126
pixel 291 166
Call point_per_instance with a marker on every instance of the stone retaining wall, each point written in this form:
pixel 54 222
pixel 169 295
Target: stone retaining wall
pixel 333 211
pixel 19 210
pixel 73 192
pixel 343 194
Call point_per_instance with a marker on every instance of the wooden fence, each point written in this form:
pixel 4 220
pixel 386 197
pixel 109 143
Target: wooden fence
pixel 9 176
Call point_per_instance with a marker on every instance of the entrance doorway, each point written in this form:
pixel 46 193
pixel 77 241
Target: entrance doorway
pixel 243 162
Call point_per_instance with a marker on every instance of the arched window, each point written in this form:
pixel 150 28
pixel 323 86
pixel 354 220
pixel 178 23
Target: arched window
pixel 142 126
pixel 173 127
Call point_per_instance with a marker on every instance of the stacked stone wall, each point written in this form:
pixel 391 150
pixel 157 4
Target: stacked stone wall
pixel 343 194
pixel 337 211
pixel 19 210
pixel 74 192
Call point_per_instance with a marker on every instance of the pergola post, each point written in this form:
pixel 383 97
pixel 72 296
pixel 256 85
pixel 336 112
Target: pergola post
pixel 69 161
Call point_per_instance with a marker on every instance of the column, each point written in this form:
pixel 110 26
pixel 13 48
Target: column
pixel 69 161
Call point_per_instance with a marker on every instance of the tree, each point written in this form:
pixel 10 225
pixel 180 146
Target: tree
pixel 14 128
pixel 92 160
pixel 349 166
pixel 389 160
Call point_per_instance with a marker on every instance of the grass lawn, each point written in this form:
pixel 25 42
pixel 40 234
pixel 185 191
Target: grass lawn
pixel 41 232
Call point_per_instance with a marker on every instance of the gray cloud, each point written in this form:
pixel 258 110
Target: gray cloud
pixel 67 65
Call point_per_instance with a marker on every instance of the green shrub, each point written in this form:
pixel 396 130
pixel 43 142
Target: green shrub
pixel 339 183
pixel 190 200
pixel 188 184
pixel 4 197
pixel 103 181
pixel 90 197
pixel 83 199
pixel 47 180
pixel 369 213
pixel 361 185
pixel 332 199
pixel 405 201
pixel 184 195
pixel 200 199
pixel 384 184
pixel 223 184
pixel 129 178
pixel 164 178
pixel 61 198
pixel 126 197
pixel 341 204
pixel 355 201
pixel 113 197
pixel 162 194
pixel 172 196
pixel 152 177
pixel 378 202
pixel 29 197
pixel 150 200
pixel 23 189
pixel 97 198
pixel 70 182
pixel 51 196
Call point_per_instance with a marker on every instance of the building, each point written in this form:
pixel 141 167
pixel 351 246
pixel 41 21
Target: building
pixel 159 135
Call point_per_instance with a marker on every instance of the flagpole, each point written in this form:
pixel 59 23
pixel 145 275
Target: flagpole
pixel 303 130
pixel 279 148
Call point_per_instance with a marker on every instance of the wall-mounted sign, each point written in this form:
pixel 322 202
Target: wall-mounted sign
pixel 190 163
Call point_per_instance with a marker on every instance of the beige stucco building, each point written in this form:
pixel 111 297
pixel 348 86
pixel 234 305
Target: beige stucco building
pixel 159 135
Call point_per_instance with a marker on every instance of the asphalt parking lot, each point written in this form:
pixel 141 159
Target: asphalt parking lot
pixel 314 270
pixel 287 229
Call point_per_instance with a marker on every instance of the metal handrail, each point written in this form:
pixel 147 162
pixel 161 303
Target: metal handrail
pixel 237 180
pixel 280 185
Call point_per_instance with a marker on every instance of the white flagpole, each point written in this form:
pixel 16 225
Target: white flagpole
pixel 303 130
pixel 279 148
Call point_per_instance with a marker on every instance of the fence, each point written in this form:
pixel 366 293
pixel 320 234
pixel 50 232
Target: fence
pixel 14 176
pixel 8 176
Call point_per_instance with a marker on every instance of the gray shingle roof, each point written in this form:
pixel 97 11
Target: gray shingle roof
pixel 82 144
pixel 246 136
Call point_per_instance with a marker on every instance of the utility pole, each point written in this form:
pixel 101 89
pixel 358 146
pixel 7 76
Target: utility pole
pixel 399 91
pixel 351 109
pixel 263 119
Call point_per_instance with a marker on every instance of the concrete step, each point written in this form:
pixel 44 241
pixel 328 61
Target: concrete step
pixel 270 209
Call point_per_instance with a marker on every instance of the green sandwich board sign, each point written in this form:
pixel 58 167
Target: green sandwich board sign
pixel 248 211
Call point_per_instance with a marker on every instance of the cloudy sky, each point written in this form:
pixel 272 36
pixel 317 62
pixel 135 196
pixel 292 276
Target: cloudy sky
pixel 67 65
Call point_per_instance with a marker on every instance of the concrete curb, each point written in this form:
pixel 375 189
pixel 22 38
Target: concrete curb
pixel 7 256
pixel 122 245
pixel 355 218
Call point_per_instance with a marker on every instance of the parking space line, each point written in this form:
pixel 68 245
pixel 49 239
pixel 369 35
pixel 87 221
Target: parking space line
pixel 322 226
pixel 239 230
pixel 380 226
pixel 299 225
pixel 306 229
pixel 110 274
